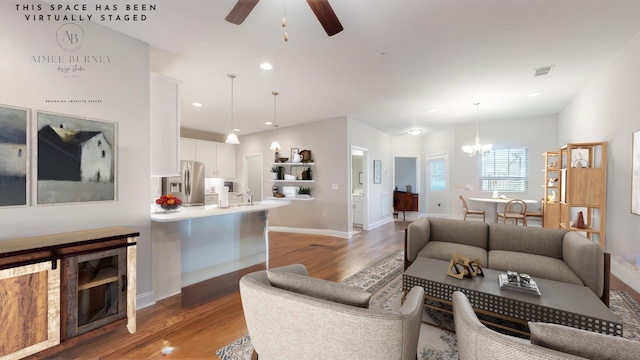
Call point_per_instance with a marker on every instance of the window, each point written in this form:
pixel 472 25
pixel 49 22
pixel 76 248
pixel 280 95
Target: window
pixel 505 170
pixel 436 174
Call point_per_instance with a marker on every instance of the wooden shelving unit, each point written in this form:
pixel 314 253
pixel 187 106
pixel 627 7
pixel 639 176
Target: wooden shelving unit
pixel 583 188
pixel 551 208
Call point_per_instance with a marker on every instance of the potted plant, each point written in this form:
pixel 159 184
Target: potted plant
pixel 274 172
pixel 304 192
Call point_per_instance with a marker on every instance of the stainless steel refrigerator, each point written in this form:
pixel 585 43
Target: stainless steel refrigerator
pixel 189 186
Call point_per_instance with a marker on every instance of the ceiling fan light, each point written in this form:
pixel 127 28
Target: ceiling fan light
pixel 232 139
pixel 275 145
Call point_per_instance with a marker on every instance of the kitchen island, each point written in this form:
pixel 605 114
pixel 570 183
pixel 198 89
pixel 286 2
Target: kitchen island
pixel 201 252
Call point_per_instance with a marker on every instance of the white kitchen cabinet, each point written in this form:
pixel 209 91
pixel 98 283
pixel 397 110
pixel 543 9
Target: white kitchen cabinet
pixel 164 115
pixel 219 159
pixel 358 209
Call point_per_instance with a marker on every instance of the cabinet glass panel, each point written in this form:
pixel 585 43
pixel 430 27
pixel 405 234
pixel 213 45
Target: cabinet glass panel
pixel 97 289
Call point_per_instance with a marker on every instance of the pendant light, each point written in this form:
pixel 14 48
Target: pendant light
pixel 232 138
pixel 477 148
pixel 275 145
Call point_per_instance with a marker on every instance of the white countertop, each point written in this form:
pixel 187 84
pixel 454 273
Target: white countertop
pixel 192 212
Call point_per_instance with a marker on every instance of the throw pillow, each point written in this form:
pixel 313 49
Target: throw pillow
pixel 582 342
pixel 319 288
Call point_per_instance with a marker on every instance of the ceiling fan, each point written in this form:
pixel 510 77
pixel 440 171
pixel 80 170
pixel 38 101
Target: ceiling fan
pixel 321 8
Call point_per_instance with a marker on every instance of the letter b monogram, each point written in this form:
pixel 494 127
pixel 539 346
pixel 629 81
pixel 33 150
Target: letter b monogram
pixel 70 36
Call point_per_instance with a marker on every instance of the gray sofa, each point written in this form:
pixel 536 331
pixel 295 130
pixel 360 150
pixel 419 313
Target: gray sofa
pixel 548 341
pixel 553 254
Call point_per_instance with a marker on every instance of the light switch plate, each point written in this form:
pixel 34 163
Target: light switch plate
pixel 334 186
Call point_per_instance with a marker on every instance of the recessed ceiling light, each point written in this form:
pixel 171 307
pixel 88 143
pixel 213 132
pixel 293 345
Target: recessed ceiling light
pixel 268 123
pixel 197 104
pixel 414 132
pixel 266 66
pixel 236 130
pixel 433 110
pixel 534 94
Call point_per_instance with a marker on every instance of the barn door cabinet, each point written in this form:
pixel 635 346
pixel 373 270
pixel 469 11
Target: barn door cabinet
pixel 56 287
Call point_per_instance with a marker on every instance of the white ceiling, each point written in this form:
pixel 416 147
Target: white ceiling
pixel 394 62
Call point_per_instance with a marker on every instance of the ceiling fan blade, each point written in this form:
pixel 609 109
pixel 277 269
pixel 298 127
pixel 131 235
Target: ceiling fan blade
pixel 240 11
pixel 326 16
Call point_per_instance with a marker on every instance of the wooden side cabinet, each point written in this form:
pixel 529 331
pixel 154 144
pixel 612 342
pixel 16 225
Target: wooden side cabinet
pixel 56 287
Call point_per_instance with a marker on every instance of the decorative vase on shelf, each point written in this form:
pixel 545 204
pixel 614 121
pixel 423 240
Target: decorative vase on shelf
pixel 553 197
pixel 580 223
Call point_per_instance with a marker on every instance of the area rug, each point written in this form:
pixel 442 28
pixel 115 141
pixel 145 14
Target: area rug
pixel 384 281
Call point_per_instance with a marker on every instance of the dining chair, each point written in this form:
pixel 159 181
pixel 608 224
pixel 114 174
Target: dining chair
pixel 515 209
pixel 537 215
pixel 471 212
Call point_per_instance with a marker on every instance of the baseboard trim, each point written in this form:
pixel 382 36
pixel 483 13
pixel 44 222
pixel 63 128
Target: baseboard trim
pixel 144 300
pixel 335 233
pixel 625 275
pixel 380 223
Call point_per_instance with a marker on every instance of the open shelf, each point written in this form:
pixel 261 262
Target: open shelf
pixel 290 198
pixel 104 276
pixel 292 163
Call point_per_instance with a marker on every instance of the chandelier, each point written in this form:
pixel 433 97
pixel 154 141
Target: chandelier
pixel 477 148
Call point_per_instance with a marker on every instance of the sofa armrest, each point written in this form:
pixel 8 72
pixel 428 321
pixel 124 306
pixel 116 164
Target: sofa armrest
pixel 416 237
pixel 586 259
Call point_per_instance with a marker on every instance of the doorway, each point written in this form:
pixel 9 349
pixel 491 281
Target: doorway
pixel 406 179
pixel 438 198
pixel 253 175
pixel 358 200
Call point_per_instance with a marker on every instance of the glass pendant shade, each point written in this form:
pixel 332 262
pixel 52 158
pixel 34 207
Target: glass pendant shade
pixel 232 139
pixel 275 145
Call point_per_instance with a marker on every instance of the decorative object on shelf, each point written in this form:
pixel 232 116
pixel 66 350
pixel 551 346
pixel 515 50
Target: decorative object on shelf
pixel 295 155
pixel 553 197
pixel 306 156
pixel 232 138
pixel 409 188
pixel 169 202
pixel 306 175
pixel 283 160
pixel 304 192
pixel 580 158
pixel 377 171
pixel 580 222
pixel 477 148
pixel 276 192
pixel 275 145
pixel 552 181
pixel 635 173
pixel 280 173
pixel 274 172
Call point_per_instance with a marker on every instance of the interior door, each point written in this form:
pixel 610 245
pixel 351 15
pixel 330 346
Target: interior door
pixel 438 185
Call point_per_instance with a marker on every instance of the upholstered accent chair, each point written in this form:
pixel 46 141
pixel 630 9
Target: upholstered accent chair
pixel 293 316
pixel 548 341
pixel 471 212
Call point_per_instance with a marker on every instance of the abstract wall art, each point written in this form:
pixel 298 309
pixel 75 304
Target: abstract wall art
pixel 76 159
pixel 14 156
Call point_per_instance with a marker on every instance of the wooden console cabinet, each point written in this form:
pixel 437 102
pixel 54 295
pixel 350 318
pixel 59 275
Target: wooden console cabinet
pixel 404 201
pixel 55 287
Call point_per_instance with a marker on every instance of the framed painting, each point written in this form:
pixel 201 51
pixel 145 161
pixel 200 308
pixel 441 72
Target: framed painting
pixel 377 171
pixel 76 159
pixel 635 173
pixel 14 156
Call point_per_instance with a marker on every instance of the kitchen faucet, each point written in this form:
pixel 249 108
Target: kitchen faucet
pixel 249 196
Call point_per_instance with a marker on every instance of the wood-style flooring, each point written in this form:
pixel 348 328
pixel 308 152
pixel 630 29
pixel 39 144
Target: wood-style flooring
pixel 197 332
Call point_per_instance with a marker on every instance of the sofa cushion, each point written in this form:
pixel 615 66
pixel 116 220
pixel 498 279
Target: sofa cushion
pixel 583 343
pixel 524 239
pixel 471 233
pixel 535 265
pixel 442 250
pixel 319 288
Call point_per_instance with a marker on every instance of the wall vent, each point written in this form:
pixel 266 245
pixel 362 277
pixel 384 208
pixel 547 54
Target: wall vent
pixel 545 70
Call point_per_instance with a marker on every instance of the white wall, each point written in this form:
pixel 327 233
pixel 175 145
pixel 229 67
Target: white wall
pixel 328 212
pixel 122 86
pixel 607 110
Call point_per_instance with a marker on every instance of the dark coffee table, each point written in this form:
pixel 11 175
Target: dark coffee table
pixel 559 303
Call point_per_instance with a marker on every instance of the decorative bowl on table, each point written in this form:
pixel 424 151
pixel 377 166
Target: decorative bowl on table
pixel 168 203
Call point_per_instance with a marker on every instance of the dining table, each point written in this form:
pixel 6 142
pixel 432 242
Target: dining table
pixel 491 205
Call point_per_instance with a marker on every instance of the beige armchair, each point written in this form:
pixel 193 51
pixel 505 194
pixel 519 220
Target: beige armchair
pixel 548 341
pixel 292 316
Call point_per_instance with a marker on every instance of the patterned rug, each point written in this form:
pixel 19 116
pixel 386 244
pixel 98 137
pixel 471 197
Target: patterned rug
pixel 384 281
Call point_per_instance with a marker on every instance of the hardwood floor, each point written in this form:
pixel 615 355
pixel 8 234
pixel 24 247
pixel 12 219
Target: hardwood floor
pixel 197 332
